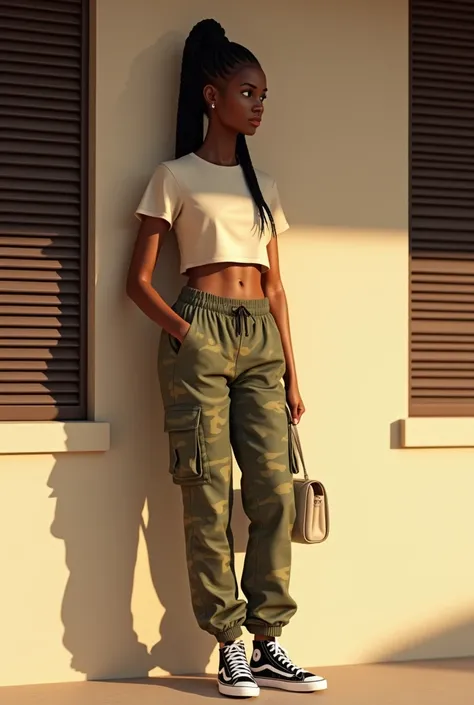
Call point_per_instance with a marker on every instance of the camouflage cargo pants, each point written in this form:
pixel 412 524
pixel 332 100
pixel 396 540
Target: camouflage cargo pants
pixel 222 388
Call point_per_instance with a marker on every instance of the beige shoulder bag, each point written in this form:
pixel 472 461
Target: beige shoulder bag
pixel 312 511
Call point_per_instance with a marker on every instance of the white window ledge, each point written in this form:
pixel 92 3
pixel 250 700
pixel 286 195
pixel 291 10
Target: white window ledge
pixel 24 437
pixel 437 432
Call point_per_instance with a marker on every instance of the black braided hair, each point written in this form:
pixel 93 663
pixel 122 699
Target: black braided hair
pixel 208 55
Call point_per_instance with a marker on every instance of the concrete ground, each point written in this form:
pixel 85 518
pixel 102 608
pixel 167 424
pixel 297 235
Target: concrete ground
pixel 448 682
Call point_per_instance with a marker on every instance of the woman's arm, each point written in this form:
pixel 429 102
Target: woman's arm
pixel 274 291
pixel 139 288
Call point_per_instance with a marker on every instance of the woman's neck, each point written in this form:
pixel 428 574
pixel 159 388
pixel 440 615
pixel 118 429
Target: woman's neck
pixel 219 147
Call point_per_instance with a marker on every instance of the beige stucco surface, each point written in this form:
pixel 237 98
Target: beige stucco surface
pixel 93 568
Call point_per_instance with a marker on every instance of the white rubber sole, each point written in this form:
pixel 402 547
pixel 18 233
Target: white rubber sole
pixel 238 691
pixel 310 687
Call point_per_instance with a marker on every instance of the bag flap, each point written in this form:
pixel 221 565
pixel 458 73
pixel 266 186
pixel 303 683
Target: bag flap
pixel 182 417
pixel 318 488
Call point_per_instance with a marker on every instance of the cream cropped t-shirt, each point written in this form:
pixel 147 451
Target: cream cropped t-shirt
pixel 212 211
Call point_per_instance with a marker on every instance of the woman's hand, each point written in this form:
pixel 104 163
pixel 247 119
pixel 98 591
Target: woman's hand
pixel 183 331
pixel 295 402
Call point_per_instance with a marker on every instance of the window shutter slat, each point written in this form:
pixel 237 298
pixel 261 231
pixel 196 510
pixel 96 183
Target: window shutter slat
pixel 38 353
pixel 53 6
pixel 442 208
pixel 43 208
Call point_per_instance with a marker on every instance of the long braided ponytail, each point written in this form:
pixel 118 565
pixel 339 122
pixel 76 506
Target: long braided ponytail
pixel 208 55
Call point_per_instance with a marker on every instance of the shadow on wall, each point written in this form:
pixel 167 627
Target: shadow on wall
pixel 457 639
pixel 98 510
pixel 98 515
pixel 150 81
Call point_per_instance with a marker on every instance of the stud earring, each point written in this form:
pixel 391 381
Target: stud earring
pixel 213 106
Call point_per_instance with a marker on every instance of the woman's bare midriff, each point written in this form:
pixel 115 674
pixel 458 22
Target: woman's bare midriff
pixel 227 279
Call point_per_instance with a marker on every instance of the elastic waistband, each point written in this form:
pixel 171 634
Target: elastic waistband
pixel 195 297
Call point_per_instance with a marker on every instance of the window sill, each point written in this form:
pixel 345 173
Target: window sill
pixel 424 432
pixel 25 437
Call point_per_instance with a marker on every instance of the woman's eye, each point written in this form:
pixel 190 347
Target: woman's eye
pixel 248 94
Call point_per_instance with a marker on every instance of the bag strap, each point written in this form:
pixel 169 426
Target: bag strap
pixel 296 440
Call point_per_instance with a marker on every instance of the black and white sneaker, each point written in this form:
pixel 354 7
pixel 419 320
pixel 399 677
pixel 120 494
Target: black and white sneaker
pixel 235 678
pixel 272 668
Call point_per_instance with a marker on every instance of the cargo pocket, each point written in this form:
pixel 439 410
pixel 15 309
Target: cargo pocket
pixel 188 459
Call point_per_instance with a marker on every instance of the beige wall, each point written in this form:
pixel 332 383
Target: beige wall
pixel 396 579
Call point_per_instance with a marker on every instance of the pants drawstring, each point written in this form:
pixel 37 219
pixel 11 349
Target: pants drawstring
pixel 242 314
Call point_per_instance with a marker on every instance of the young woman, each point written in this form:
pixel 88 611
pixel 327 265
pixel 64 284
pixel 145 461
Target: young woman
pixel 224 350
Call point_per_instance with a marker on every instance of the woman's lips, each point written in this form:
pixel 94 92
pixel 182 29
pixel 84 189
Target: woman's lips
pixel 255 122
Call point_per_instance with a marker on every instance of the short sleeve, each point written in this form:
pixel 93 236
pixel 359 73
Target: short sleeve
pixel 162 197
pixel 281 224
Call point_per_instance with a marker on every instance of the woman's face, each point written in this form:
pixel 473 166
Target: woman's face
pixel 239 100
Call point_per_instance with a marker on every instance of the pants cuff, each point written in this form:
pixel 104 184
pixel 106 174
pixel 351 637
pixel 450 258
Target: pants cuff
pixel 264 629
pixel 229 635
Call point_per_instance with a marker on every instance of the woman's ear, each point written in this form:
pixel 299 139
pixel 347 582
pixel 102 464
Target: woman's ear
pixel 210 95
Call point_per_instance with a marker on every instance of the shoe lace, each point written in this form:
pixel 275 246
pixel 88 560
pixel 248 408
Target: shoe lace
pixel 282 657
pixel 237 660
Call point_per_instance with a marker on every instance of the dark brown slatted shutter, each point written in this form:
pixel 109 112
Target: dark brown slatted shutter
pixel 442 208
pixel 43 208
